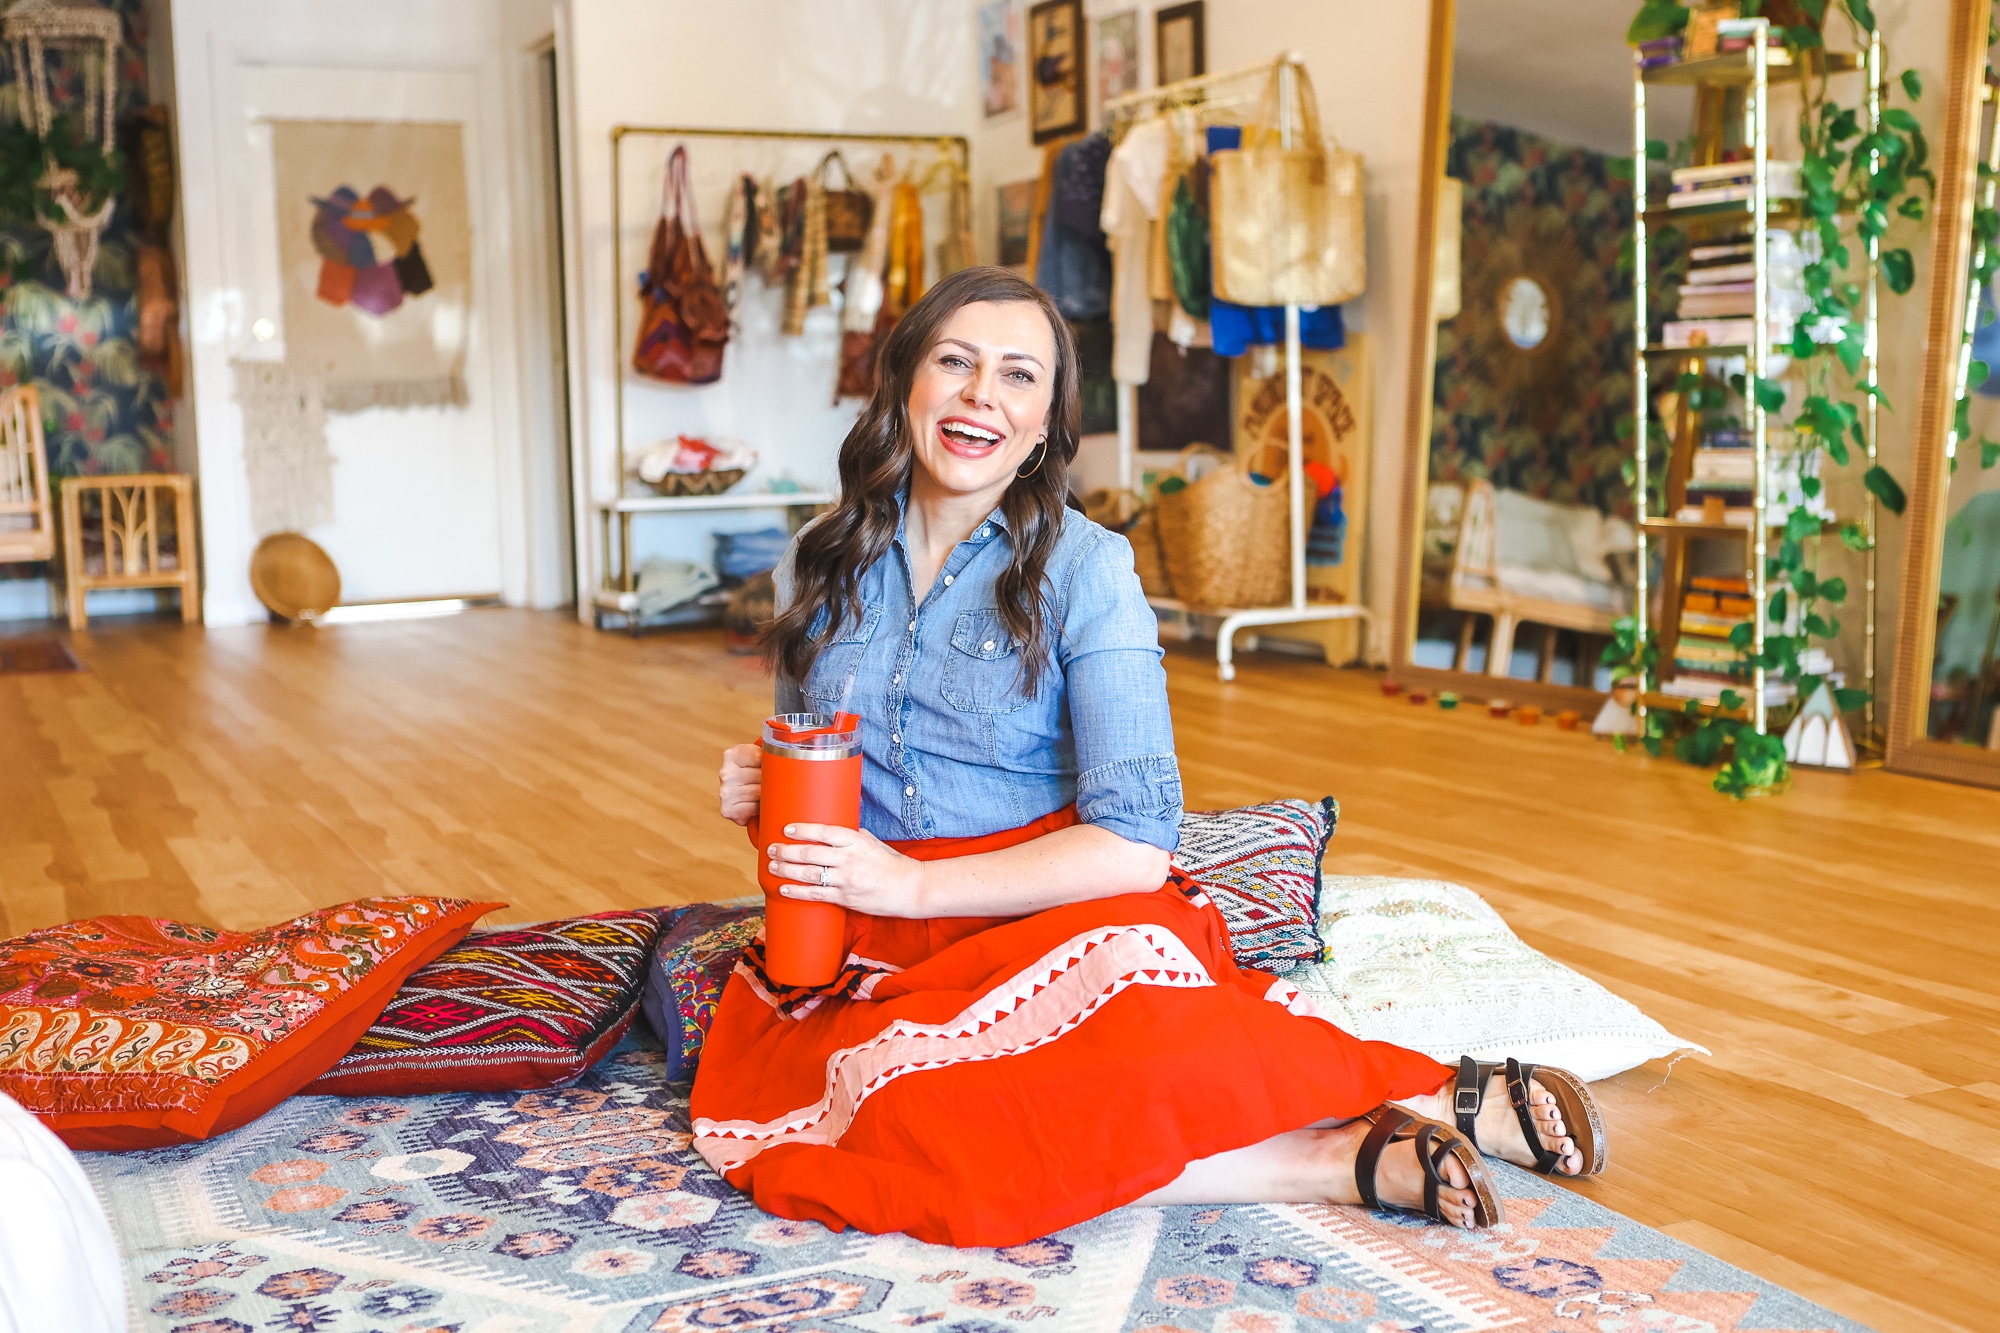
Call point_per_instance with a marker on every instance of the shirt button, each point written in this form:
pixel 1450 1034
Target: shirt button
pixel 987 646
pixel 913 627
pixel 982 532
pixel 909 791
pixel 895 739
pixel 896 680
pixel 947 580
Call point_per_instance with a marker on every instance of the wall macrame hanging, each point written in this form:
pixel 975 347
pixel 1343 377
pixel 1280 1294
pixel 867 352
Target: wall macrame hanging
pixel 83 39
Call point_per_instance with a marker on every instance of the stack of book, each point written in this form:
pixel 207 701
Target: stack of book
pixel 1703 655
pixel 1731 182
pixel 1660 51
pixel 1733 35
pixel 1721 282
pixel 1725 471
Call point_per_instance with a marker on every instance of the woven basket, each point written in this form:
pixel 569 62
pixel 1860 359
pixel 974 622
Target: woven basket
pixel 698 483
pixel 1226 538
pixel 1144 534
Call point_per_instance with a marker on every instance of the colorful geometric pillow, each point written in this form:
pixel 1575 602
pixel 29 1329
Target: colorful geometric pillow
pixel 511 1009
pixel 691 964
pixel 1260 863
pixel 124 1032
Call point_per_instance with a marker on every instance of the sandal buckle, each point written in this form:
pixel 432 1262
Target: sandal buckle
pixel 1466 1102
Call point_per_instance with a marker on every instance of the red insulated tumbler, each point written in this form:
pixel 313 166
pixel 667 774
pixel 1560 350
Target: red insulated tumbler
pixel 812 775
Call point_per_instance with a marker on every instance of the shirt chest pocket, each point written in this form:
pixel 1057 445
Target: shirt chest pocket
pixel 830 682
pixel 982 672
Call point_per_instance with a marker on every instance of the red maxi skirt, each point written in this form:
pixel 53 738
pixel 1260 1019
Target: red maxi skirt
pixel 982 1081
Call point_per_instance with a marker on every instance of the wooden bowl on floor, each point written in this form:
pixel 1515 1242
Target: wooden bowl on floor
pixel 293 577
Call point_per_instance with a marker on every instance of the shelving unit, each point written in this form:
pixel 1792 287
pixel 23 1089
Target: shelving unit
pixel 1754 71
pixel 619 594
pixel 1298 610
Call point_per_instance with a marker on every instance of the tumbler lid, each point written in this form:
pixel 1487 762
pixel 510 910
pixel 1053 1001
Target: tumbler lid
pixel 813 735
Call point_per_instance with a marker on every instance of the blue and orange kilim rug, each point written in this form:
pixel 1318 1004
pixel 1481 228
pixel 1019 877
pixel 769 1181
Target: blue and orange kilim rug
pixel 584 1210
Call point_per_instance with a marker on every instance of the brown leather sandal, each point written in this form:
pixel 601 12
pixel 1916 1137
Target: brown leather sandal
pixel 1573 1099
pixel 1435 1142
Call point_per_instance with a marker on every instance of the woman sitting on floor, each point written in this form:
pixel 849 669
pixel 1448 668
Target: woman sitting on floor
pixel 1039 1020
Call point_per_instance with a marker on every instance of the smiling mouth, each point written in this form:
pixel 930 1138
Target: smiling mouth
pixel 967 438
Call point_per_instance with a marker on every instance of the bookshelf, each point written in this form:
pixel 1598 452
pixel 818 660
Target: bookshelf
pixel 1718 484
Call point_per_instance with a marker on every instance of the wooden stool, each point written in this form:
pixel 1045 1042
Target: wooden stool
pixel 126 510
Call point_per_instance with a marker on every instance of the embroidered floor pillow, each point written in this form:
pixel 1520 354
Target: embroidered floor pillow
pixel 1261 865
pixel 126 1032
pixel 1431 966
pixel 512 1009
pixel 691 964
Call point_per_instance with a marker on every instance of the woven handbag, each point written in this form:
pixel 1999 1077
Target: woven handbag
pixel 1226 538
pixel 848 210
pixel 683 323
pixel 1287 222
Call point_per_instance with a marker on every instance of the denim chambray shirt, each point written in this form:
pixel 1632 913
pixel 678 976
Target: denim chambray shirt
pixel 950 745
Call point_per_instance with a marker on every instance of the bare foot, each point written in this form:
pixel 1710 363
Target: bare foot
pixel 1399 1175
pixel 1499 1129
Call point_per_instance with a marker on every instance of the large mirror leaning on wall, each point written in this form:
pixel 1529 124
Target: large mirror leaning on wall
pixel 1590 448
pixel 1945 721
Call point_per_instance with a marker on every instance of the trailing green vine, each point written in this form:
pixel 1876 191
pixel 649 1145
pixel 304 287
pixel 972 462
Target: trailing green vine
pixel 1860 187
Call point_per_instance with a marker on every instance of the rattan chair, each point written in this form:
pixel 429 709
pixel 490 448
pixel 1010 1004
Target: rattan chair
pixel 27 520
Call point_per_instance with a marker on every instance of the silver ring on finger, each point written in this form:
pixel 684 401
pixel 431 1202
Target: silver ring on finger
pixel 824 882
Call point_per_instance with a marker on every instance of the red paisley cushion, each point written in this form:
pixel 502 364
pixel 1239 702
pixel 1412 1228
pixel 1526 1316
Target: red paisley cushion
pixel 126 1032
pixel 521 1007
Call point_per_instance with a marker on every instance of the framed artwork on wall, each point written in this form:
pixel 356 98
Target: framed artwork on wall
pixel 1016 214
pixel 1055 69
pixel 1180 43
pixel 1117 56
pixel 1000 57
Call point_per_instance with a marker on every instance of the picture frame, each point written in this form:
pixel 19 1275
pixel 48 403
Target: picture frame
pixel 1056 105
pixel 1115 51
pixel 1016 217
pixel 1180 42
pixel 1000 44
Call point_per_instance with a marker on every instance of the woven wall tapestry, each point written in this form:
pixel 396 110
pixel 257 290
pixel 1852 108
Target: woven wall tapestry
pixel 375 243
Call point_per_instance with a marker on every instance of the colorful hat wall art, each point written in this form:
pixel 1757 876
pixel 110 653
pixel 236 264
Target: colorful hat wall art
pixel 369 255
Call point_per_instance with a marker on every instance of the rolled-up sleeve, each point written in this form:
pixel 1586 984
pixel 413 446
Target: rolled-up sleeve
pixel 1127 779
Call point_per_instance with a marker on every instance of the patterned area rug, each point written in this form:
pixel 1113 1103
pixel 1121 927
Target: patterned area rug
pixel 583 1210
pixel 34 657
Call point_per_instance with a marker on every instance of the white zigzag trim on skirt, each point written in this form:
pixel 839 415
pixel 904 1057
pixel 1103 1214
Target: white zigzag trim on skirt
pixel 1297 1002
pixel 1035 1006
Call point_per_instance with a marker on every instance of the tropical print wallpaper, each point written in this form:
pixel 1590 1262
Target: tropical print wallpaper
pixel 1543 419
pixel 102 411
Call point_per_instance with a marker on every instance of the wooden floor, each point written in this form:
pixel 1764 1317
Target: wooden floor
pixel 1838 947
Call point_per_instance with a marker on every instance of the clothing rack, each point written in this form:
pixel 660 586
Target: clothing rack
pixel 616 594
pixel 1192 92
pixel 955 145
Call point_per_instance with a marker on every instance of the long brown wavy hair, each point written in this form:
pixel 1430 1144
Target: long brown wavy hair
pixel 875 463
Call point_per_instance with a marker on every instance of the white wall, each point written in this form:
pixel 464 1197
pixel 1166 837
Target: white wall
pixel 490 40
pixel 899 66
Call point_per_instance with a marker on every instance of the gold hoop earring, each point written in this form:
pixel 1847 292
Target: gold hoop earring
pixel 1042 458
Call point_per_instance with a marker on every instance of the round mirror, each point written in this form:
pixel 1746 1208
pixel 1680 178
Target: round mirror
pixel 1524 313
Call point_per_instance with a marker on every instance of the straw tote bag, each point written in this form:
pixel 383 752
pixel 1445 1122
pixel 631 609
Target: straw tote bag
pixel 683 323
pixel 1287 222
pixel 1226 538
